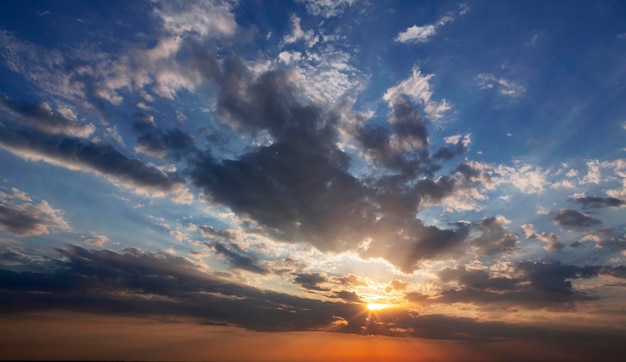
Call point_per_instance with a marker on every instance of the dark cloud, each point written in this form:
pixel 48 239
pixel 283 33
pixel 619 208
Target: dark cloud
pixel 238 258
pixel 402 144
pixel 40 116
pixel 85 155
pixel 352 280
pixel 156 142
pixel 299 188
pixel 494 237
pixel 347 296
pixel 534 285
pixel 595 202
pixel 136 283
pixel 20 216
pixel 574 220
pixel 449 152
pixel 21 222
pixel 115 282
pixel 553 278
pixel 477 279
pixel 311 281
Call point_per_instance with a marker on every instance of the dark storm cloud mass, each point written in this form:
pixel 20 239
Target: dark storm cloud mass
pixel 574 220
pixel 137 283
pixel 82 154
pixel 298 188
pixel 595 202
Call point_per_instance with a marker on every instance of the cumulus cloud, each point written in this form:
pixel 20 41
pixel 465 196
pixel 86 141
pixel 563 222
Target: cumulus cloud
pixel 298 188
pixel 418 89
pixel 494 237
pixel 553 241
pixel 97 240
pixel 527 178
pixel 205 18
pixel 21 216
pixel 416 34
pixel 298 34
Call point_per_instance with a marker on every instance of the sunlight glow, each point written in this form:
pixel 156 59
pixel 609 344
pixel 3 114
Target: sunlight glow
pixel 377 306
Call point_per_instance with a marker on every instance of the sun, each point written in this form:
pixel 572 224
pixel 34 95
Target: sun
pixel 376 306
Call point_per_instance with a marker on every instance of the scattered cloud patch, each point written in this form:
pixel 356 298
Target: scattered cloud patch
pixel 21 216
pixel 421 34
pixel 327 8
pixel 418 89
pixel 503 86
pixel 553 241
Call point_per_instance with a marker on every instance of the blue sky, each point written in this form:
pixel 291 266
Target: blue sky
pixel 454 160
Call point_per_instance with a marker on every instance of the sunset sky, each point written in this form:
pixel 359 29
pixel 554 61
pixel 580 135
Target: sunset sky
pixel 313 180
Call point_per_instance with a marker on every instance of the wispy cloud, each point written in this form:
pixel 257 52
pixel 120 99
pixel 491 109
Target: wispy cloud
pixel 502 85
pixel 421 34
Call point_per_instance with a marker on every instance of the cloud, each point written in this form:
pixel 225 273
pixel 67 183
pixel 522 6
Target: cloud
pixel 311 281
pixel 534 285
pixel 298 187
pixel 298 34
pixel 347 296
pixel 79 154
pixel 421 34
pixel 327 8
pixel 158 143
pixel 418 89
pixel 204 18
pixel 494 238
pixel 19 215
pixel 136 283
pixel 352 280
pixel 42 117
pixel 416 34
pixel 502 85
pixel 525 177
pixel 553 241
pixel 593 175
pixel 595 202
pixel 237 257
pixel 574 220
pixel 97 240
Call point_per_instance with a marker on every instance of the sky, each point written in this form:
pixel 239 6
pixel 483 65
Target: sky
pixel 313 180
